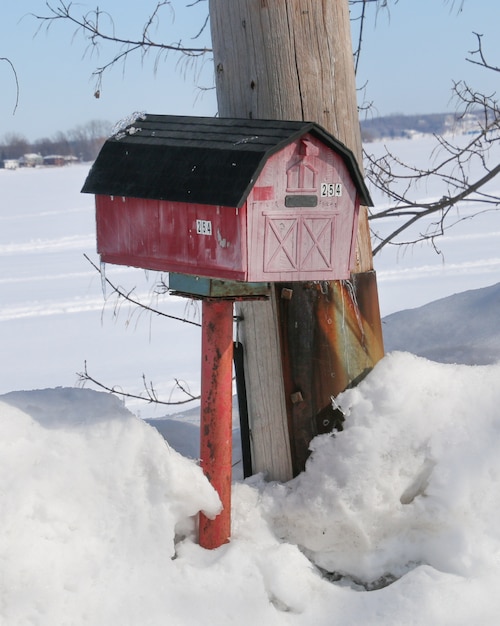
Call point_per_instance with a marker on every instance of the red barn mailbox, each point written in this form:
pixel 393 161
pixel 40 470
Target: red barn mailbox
pixel 241 203
pixel 230 199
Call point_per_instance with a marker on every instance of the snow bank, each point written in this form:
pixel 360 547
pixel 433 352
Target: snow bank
pixel 98 523
pixel 414 478
pixel 92 499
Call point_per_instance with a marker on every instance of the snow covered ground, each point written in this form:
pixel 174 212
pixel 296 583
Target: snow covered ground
pixel 53 301
pixel 393 522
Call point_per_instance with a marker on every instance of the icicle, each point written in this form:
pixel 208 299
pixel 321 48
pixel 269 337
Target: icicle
pixel 336 406
pixel 342 282
pixel 102 271
pixel 344 342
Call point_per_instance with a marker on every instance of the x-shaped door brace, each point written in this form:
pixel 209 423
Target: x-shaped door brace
pixel 315 241
pixel 284 237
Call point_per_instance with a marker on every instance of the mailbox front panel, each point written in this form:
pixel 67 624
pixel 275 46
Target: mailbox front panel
pixel 302 216
pixel 173 237
pixel 298 243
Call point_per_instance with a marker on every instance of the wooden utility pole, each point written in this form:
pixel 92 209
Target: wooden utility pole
pixel 277 59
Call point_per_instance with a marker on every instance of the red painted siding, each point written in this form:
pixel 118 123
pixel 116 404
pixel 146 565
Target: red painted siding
pixel 298 224
pixel 163 235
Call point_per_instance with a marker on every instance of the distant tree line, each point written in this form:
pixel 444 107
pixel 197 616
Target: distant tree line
pixel 82 142
pixel 404 126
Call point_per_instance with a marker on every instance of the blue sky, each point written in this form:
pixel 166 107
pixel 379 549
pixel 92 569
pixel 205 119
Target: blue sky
pixel 411 56
pixel 414 52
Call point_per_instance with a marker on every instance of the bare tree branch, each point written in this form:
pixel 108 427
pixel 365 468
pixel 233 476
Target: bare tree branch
pixel 16 79
pixel 398 180
pixel 127 296
pixel 150 395
pixel 98 26
pixel 459 3
pixel 359 20
pixel 480 54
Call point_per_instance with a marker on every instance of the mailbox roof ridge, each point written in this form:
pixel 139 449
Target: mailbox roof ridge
pixel 205 160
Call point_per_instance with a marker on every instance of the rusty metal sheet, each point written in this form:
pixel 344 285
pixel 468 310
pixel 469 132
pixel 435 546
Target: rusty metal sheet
pixel 331 338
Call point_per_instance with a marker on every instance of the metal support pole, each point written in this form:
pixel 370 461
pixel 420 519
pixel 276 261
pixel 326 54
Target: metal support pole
pixel 216 415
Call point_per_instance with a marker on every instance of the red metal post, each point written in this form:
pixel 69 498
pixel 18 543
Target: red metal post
pixel 216 415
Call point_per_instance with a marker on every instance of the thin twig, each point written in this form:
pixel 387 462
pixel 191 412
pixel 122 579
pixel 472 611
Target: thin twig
pixel 151 397
pixel 126 296
pixel 16 79
pixel 90 25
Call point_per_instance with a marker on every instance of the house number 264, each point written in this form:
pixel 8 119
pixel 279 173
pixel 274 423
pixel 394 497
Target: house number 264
pixel 331 189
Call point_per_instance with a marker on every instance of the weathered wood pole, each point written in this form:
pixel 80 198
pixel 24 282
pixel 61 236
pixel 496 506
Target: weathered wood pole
pixel 216 415
pixel 293 60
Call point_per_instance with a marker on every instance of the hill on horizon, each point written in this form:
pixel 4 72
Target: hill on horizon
pixel 462 328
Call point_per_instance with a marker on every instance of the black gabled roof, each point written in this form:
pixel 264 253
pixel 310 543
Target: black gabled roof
pixel 205 160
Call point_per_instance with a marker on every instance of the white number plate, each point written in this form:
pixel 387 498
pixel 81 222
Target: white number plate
pixel 204 227
pixel 329 190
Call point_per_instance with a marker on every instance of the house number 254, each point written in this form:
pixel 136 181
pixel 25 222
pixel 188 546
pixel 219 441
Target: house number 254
pixel 331 189
pixel 203 227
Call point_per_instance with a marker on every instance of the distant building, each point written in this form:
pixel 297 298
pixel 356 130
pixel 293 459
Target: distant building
pixel 31 160
pixel 54 159
pixel 10 164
